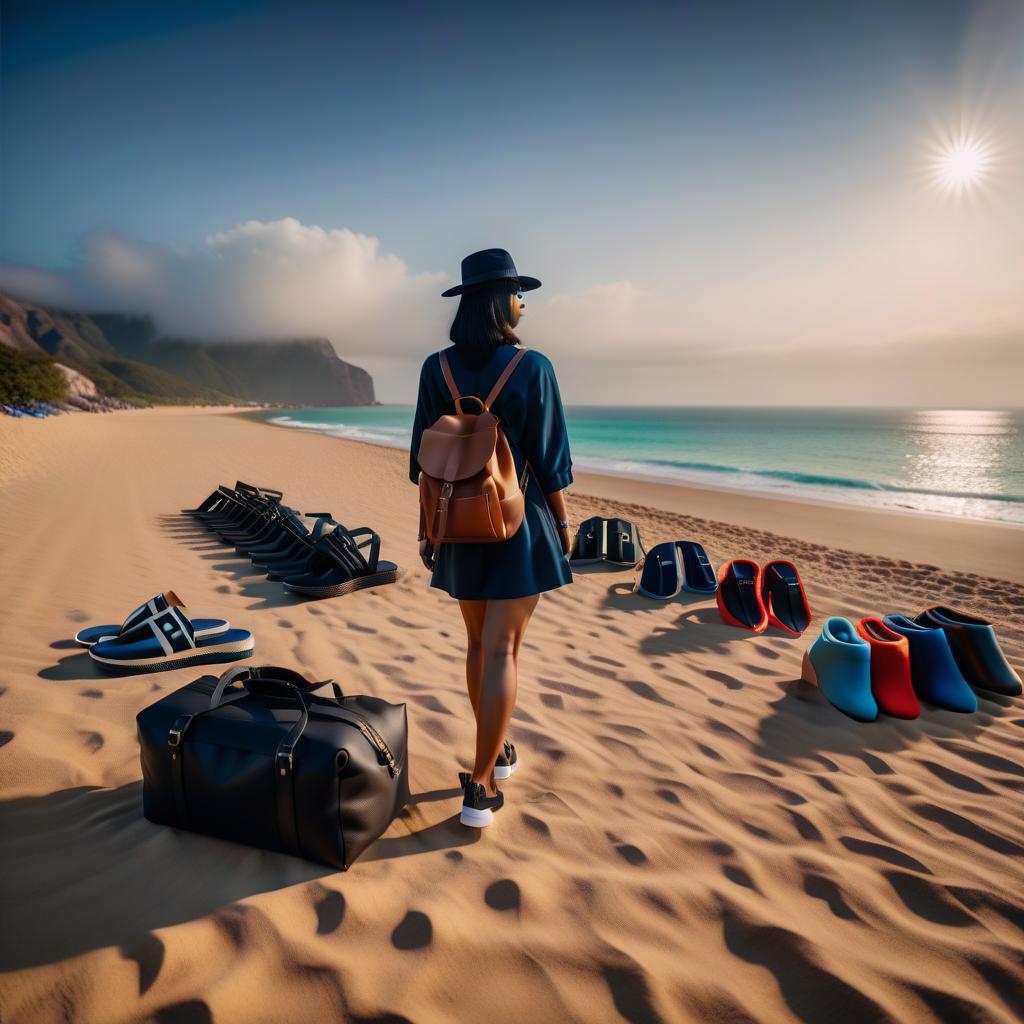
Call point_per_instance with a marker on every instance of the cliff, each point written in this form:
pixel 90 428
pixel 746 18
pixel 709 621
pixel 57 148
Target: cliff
pixel 124 355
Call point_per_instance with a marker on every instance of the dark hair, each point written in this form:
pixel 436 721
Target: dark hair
pixel 481 322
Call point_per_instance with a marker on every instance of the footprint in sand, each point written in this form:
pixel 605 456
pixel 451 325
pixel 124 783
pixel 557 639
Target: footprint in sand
pixel 537 825
pixel 520 715
pixel 568 688
pixel 631 854
pixel 738 876
pixel 968 829
pixel 414 932
pixel 148 954
pixel 822 888
pixel 93 740
pixel 991 761
pixel 192 1011
pixel 330 911
pixel 876 764
pixel 955 779
pixel 502 895
pixel 659 903
pixel 628 730
pixel 927 900
pixel 805 986
pixel 806 828
pixel 630 991
pixel 721 677
pixel 889 854
pixel 430 702
pixel 642 689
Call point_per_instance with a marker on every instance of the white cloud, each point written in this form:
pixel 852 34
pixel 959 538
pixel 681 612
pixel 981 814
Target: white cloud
pixel 276 279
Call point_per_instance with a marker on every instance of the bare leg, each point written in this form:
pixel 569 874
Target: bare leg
pixel 504 625
pixel 473 612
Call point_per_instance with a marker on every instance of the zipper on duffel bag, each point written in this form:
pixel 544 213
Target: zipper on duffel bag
pixel 374 738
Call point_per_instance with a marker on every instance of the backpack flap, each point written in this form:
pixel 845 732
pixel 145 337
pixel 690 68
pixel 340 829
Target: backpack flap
pixel 458 447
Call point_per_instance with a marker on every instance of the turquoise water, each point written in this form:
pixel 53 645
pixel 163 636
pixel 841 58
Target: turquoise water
pixel 948 462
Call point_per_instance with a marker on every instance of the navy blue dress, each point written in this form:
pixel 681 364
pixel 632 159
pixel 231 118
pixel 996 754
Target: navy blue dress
pixel 530 409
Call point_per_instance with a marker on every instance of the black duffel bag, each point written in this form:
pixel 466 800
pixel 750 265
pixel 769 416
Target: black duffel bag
pixel 273 765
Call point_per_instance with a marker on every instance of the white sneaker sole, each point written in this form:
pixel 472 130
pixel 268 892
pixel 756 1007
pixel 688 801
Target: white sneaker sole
pixel 502 772
pixel 476 819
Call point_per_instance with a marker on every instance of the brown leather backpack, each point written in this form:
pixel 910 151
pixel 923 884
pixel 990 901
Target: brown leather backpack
pixel 469 492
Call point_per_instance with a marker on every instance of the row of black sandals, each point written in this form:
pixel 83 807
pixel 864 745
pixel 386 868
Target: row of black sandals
pixel 318 558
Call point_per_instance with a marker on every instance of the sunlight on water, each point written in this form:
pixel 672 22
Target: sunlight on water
pixel 959 451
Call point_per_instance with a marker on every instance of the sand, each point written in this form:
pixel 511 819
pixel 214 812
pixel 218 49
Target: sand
pixel 695 835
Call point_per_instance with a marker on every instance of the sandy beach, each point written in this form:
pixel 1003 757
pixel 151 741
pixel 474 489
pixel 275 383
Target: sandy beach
pixel 695 835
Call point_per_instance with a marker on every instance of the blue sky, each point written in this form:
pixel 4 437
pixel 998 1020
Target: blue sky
pixel 661 167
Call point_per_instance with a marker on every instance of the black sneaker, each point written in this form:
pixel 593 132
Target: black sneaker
pixel 507 763
pixel 477 807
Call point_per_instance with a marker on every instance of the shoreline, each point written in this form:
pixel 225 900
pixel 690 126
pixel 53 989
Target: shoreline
pixel 979 546
pixel 840 496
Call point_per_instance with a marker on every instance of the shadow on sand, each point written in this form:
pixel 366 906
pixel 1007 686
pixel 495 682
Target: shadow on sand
pixel 82 869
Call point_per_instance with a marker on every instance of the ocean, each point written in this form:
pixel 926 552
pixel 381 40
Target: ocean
pixel 956 462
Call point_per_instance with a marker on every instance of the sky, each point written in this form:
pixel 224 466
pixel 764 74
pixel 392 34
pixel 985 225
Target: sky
pixel 728 203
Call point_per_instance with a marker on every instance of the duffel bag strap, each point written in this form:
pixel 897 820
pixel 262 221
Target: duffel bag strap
pixel 176 745
pixel 284 783
pixel 290 679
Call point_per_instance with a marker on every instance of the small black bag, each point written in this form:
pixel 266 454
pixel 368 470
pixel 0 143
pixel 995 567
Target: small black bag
pixel 607 540
pixel 273 765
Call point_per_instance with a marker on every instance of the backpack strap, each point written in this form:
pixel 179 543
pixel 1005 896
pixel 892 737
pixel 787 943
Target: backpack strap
pixel 505 374
pixel 446 370
pixel 448 378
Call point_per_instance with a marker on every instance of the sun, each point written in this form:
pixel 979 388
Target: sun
pixel 961 163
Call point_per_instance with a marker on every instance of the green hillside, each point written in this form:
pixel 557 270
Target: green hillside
pixel 136 382
pixel 26 377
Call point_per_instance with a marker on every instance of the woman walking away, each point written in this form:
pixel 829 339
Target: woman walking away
pixel 494 527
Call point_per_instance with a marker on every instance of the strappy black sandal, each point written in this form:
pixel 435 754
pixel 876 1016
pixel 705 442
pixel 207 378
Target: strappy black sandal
pixel 346 569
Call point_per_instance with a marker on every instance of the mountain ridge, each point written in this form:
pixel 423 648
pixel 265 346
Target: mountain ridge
pixel 126 357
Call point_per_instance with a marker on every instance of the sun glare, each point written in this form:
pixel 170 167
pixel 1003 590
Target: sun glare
pixel 961 163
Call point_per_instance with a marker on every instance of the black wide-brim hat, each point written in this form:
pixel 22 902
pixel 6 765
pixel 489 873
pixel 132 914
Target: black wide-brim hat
pixel 489 265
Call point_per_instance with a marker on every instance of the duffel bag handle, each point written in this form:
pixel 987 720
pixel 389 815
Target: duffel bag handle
pixel 269 680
